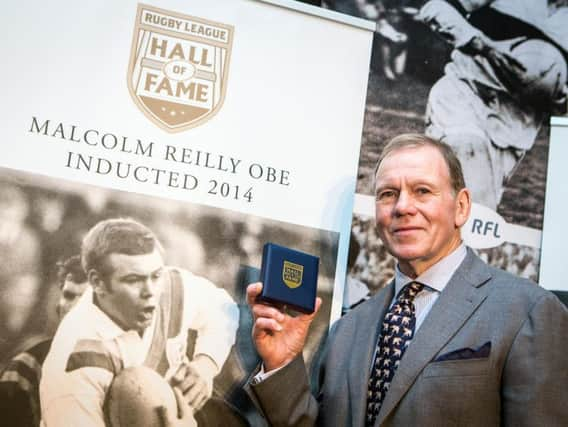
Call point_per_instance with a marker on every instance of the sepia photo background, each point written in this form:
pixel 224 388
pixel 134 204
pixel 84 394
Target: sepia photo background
pixel 43 220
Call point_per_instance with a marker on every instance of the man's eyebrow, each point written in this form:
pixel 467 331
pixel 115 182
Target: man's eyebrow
pixel 132 274
pixel 385 183
pixel 423 182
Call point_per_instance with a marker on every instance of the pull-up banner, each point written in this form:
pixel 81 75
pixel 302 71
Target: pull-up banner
pixel 220 125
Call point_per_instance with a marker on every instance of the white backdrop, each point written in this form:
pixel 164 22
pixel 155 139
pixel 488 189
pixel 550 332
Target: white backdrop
pixel 553 265
pixel 294 102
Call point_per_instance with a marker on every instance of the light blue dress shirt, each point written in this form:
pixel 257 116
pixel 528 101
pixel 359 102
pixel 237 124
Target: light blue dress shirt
pixel 435 280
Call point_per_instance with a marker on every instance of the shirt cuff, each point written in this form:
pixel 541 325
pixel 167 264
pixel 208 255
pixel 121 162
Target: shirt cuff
pixel 262 375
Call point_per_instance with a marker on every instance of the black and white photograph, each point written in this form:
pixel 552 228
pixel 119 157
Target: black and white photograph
pixel 52 231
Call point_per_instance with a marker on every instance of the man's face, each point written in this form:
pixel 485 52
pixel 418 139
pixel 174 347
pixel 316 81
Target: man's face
pixel 132 291
pixel 70 293
pixel 417 214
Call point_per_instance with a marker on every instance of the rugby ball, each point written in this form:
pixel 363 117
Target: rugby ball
pixel 134 397
pixel 545 73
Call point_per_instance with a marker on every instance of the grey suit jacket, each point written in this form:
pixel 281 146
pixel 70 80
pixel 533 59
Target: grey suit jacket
pixel 523 381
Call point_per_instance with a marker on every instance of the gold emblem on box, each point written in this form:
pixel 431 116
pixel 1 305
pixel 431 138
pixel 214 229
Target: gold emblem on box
pixel 292 274
pixel 178 67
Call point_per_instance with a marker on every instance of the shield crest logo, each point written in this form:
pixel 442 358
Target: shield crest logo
pixel 292 274
pixel 177 74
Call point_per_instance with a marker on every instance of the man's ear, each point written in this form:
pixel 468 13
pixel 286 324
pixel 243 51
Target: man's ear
pixel 463 207
pixel 97 282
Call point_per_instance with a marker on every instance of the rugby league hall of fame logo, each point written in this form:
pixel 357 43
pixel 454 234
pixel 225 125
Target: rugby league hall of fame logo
pixel 292 274
pixel 178 67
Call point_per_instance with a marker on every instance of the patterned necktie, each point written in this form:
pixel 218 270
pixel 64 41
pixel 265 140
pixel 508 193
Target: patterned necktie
pixel 396 334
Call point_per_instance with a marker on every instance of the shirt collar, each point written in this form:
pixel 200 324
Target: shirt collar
pixel 437 276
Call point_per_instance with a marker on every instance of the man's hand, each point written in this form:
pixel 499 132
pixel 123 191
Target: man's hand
pixel 510 71
pixel 278 337
pixel 184 416
pixel 195 380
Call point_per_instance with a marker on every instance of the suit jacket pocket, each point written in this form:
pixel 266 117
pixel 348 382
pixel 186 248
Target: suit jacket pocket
pixel 457 368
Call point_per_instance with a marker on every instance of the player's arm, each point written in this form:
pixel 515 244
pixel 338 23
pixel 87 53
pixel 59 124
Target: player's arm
pixel 16 397
pixel 79 400
pixel 506 67
pixel 214 315
pixel 446 21
pixel 195 380
pixel 535 377
pixel 212 312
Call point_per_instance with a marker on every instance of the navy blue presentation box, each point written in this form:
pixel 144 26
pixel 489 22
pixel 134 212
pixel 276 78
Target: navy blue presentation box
pixel 289 277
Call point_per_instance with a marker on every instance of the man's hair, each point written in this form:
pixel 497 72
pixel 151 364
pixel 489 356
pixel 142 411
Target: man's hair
pixel 71 266
pixel 118 235
pixel 415 140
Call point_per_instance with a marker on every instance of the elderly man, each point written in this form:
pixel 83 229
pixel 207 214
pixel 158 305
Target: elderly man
pixel 137 312
pixel 451 341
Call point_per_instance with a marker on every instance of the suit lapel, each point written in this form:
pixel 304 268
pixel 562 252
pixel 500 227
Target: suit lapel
pixel 456 304
pixel 366 335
